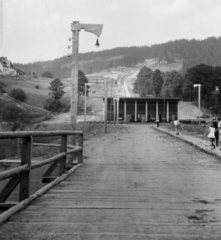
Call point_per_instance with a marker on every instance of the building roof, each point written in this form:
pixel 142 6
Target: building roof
pixel 149 99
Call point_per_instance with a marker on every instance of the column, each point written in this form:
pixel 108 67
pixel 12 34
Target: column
pixel 178 111
pixel 135 111
pixel 103 110
pixel 114 104
pixel 168 115
pixel 125 111
pixel 146 111
pixel 118 99
pixel 157 114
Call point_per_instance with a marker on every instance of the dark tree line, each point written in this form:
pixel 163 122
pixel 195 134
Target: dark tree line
pixel 177 84
pixel 193 52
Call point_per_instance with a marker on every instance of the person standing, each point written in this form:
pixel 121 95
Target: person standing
pixel 158 122
pixel 176 125
pixel 215 123
pixel 219 127
pixel 211 135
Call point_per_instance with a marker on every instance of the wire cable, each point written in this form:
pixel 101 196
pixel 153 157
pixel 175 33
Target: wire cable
pixel 60 17
pixel 53 26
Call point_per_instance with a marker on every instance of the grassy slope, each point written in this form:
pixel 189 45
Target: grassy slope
pixel 37 97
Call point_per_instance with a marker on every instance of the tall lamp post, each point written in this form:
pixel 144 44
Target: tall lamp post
pixel 109 77
pixel 85 100
pixel 75 28
pixel 199 88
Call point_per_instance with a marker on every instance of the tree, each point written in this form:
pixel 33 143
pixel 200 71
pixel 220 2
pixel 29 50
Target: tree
pixel 157 82
pixel 18 94
pixel 47 75
pixel 142 84
pixel 82 79
pixel 201 74
pixel 56 93
pixel 173 83
pixel 56 87
pixel 15 117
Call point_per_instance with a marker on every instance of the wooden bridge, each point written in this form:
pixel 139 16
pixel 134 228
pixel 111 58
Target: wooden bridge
pixel 157 189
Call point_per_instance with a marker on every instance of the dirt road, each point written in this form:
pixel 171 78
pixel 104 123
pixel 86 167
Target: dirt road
pixel 135 184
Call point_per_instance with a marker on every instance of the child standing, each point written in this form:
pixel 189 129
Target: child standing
pixel 211 135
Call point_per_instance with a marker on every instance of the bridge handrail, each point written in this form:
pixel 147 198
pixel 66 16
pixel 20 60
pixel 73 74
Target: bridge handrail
pixel 22 134
pixel 21 174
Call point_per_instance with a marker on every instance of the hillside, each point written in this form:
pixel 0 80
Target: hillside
pixel 180 54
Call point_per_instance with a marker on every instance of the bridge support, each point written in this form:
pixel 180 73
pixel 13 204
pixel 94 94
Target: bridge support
pixel 146 111
pixel 125 111
pixel 157 113
pixel 168 116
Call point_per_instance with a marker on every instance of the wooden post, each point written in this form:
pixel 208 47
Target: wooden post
pixel 63 159
pixel 168 115
pixel 114 104
pixel 111 101
pixel 74 82
pixel 157 115
pixel 25 159
pixel 125 111
pixel 80 154
pixel 105 106
pixel 146 111
pixel 118 110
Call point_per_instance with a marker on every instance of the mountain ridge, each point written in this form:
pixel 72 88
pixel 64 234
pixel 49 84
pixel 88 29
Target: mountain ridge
pixel 190 52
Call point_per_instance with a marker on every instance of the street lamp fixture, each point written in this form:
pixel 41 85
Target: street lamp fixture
pixel 75 28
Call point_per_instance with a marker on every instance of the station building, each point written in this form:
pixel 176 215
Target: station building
pixel 143 109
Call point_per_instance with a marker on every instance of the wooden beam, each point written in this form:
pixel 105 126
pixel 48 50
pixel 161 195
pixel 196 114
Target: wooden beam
pixel 9 187
pixel 64 158
pixel 47 179
pixel 47 161
pixel 6 206
pixel 23 204
pixel 80 153
pixel 23 134
pixel 25 176
pixel 14 171
pixel 50 170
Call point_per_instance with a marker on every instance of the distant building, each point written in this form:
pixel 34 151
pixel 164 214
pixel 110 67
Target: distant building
pixel 148 109
pixel 6 67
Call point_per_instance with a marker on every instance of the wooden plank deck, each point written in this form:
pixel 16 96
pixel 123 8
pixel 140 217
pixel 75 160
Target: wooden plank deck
pixel 138 185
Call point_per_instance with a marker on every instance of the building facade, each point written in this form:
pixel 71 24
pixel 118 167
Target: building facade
pixel 6 67
pixel 143 109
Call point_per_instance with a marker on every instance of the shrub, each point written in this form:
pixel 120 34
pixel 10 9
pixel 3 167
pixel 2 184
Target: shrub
pixel 37 86
pixel 47 75
pixel 15 117
pixel 52 105
pixel 18 94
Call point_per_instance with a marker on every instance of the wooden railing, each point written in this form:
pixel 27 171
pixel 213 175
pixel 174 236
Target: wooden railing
pixel 21 174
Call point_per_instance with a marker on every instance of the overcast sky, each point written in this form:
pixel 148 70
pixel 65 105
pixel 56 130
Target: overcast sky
pixel 38 30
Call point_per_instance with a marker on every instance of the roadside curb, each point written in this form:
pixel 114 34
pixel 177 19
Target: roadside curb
pixel 203 149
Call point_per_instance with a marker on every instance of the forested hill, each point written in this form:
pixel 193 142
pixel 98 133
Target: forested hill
pixel 192 52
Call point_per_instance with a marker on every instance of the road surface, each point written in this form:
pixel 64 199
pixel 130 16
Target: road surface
pixel 136 183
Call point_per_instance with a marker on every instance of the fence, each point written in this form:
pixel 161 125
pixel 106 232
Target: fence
pixel 21 174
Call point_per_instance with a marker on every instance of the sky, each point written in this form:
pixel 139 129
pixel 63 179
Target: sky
pixel 38 30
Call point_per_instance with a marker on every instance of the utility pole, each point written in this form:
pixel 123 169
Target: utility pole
pixel 85 100
pixel 74 82
pixel 199 93
pixel 75 28
pixel 105 105
pixel 108 77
